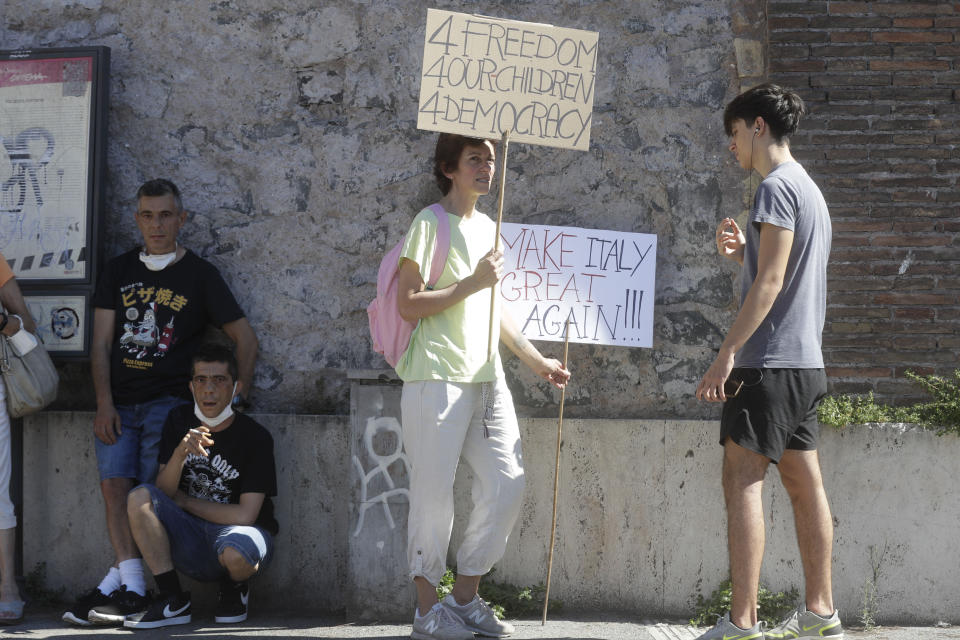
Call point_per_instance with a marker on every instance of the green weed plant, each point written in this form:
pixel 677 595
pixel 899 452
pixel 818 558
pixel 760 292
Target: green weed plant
pixel 942 413
pixel 774 606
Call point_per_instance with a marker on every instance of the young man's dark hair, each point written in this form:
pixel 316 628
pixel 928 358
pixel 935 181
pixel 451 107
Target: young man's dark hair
pixel 447 156
pixel 214 352
pixel 780 108
pixel 160 187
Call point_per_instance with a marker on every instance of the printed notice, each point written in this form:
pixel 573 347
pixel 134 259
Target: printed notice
pixel 482 76
pixel 59 321
pixel 44 156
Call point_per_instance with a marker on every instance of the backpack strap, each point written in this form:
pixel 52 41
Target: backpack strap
pixel 442 246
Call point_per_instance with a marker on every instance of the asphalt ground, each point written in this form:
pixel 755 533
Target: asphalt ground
pixel 46 624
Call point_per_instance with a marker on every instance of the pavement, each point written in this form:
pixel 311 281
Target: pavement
pixel 47 625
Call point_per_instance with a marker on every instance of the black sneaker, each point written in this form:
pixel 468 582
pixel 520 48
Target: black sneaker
pixel 122 603
pixel 232 602
pixel 77 614
pixel 162 612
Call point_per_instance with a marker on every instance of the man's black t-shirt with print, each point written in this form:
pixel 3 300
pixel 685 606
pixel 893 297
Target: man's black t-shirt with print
pixel 240 461
pixel 160 320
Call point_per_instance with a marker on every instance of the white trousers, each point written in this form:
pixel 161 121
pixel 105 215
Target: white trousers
pixel 8 519
pixel 442 422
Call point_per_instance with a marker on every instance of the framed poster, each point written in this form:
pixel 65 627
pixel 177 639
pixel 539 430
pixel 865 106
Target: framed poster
pixel 53 109
pixel 62 321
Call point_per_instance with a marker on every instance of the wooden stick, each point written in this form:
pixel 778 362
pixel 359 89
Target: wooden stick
pixel 496 239
pixel 556 476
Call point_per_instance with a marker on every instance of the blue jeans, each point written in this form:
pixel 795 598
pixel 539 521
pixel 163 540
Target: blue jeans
pixel 134 455
pixel 196 544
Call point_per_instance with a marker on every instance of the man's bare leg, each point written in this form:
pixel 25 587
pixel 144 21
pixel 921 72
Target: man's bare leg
pixel 800 474
pixel 148 532
pixel 743 473
pixel 118 526
pixel 236 565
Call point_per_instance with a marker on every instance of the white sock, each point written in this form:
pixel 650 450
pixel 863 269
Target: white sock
pixel 131 575
pixel 110 582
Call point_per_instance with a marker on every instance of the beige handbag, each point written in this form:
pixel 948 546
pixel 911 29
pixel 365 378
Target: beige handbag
pixel 31 380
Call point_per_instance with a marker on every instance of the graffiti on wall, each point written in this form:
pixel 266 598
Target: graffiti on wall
pixel 380 471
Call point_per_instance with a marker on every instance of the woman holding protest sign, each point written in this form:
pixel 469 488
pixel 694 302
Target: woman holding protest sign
pixel 455 402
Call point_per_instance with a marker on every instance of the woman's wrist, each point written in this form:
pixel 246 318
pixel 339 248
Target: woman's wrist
pixel 469 284
pixel 20 339
pixel 11 328
pixel 10 324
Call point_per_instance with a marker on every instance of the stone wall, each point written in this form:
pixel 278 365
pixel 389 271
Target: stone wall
pixel 290 127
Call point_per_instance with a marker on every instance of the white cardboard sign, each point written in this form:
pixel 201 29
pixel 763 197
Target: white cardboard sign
pixel 603 281
pixel 482 76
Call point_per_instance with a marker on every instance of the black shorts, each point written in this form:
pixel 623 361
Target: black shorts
pixel 775 410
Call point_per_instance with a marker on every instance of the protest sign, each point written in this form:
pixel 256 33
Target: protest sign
pixel 602 281
pixel 482 76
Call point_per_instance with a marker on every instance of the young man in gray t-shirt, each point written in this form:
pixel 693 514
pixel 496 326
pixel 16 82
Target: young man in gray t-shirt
pixel 769 372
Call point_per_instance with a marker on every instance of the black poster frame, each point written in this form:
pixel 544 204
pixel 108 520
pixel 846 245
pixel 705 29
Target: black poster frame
pixel 96 168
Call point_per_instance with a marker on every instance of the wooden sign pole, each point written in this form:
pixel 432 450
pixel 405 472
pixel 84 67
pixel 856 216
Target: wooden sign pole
pixel 556 477
pixel 496 239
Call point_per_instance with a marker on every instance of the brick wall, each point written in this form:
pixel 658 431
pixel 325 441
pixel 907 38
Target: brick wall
pixel 882 139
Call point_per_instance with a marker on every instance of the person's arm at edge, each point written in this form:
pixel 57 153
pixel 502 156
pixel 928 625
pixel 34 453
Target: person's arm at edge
pixel 549 369
pixel 106 423
pixel 245 339
pixel 773 254
pixel 168 475
pixel 13 303
pixel 243 513
pixel 414 301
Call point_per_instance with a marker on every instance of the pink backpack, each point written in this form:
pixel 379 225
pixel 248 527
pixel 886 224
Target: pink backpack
pixel 390 332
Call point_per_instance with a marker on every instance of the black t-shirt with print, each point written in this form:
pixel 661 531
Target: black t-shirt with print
pixel 160 320
pixel 240 461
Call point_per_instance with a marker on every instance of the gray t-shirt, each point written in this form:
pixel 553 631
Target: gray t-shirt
pixel 790 337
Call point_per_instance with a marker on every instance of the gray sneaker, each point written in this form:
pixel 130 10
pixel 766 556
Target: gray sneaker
pixel 439 624
pixel 478 617
pixel 806 624
pixel 726 630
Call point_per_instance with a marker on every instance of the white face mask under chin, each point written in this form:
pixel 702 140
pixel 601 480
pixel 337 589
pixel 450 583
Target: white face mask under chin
pixel 220 417
pixel 159 261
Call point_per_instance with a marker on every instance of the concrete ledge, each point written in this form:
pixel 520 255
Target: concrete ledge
pixel 641 520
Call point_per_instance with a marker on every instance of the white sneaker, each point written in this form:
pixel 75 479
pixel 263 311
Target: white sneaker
pixel 726 630
pixel 803 624
pixel 439 624
pixel 478 617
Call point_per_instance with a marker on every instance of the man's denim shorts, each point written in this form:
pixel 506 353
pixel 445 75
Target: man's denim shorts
pixel 196 545
pixel 134 455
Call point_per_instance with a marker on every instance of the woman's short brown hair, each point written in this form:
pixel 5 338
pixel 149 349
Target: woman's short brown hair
pixel 447 156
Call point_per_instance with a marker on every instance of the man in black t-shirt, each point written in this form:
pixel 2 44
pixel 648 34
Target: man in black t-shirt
pixel 152 306
pixel 210 514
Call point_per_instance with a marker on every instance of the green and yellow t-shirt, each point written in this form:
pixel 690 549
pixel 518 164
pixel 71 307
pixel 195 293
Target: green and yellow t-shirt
pixel 452 345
